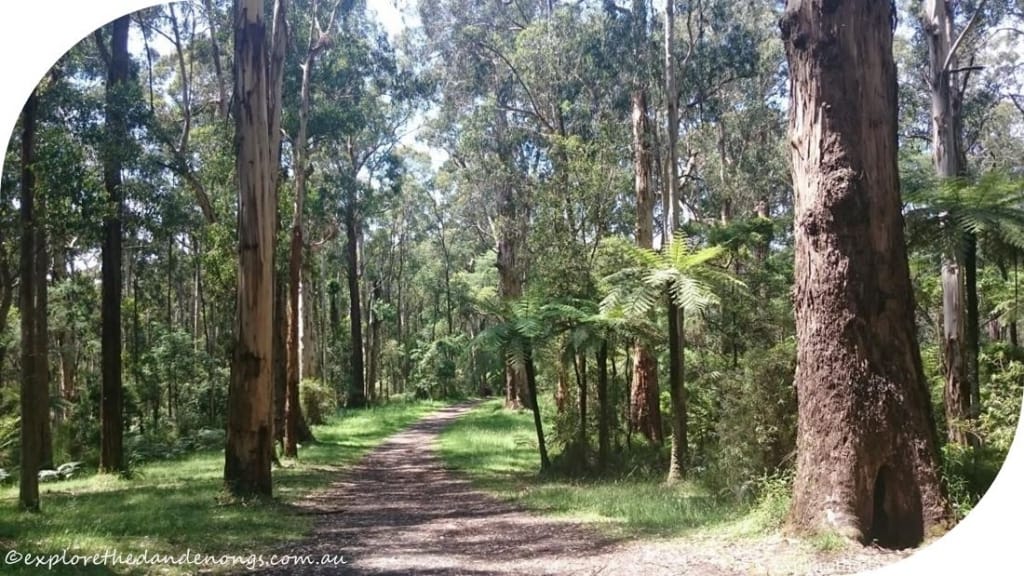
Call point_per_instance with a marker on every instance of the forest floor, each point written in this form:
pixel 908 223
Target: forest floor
pixel 402 511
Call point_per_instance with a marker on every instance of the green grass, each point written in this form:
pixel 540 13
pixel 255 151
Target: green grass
pixel 497 450
pixel 170 507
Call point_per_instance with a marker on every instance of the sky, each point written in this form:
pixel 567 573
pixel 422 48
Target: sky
pixel 394 15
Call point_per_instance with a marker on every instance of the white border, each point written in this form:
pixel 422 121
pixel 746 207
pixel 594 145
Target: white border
pixel 35 33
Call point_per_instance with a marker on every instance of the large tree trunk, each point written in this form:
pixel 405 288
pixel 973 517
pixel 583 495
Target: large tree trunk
pixel 33 392
pixel 356 391
pixel 645 401
pixel 676 378
pixel 112 401
pixel 248 453
pixel 867 463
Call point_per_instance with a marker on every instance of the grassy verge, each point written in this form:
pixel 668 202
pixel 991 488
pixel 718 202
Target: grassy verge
pixel 174 506
pixel 497 449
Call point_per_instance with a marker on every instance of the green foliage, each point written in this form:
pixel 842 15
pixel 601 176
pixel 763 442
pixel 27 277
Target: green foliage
pixel 991 207
pixel 497 449
pixel 774 493
pixel 968 472
pixel 755 422
pixel 318 401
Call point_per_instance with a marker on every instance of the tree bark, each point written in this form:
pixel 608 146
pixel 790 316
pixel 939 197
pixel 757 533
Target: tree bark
pixel 33 393
pixel 249 448
pixel 291 404
pixel 959 340
pixel 42 333
pixel 645 401
pixel 867 463
pixel 112 401
pixel 356 391
pixel 677 382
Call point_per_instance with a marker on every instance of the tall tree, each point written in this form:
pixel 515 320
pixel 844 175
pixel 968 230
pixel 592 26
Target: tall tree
pixel 867 463
pixel 959 272
pixel 676 377
pixel 34 392
pixel 247 456
pixel 319 40
pixel 645 400
pixel 118 63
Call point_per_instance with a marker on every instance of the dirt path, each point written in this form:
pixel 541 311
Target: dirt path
pixel 399 512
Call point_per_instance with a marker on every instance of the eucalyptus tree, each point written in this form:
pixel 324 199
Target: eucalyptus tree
pixel 247 456
pixel 867 460
pixel 118 92
pixel 645 401
pixel 368 97
pixel 318 39
pixel 34 386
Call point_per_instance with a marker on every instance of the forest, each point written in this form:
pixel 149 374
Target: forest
pixel 718 271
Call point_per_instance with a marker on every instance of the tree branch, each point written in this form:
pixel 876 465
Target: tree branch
pixel 963 34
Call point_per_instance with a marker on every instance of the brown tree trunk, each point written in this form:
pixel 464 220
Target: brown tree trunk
pixel 249 448
pixel 112 401
pixel 42 334
pixel 33 392
pixel 645 401
pixel 677 382
pixel 645 413
pixel 867 463
pixel 356 391
pixel 947 154
pixel 291 403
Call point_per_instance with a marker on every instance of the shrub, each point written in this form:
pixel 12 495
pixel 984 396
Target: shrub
pixel 755 427
pixel 318 401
